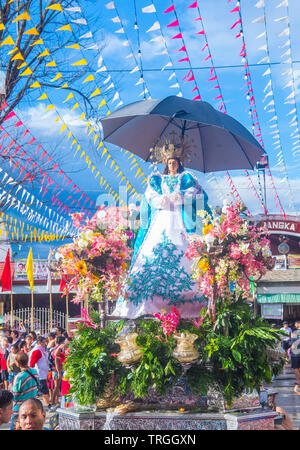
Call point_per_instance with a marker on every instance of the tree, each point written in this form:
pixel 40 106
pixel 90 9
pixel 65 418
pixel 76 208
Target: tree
pixel 37 45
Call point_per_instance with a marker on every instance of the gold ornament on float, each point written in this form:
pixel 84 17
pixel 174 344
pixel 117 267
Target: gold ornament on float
pixel 185 351
pixel 130 351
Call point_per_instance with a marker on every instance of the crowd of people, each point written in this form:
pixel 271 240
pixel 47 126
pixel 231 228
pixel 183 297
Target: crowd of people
pixel 291 346
pixel 32 376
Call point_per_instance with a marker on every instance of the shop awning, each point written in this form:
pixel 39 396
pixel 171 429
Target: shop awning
pixel 278 298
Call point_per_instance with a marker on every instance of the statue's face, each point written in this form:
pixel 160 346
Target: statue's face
pixel 173 166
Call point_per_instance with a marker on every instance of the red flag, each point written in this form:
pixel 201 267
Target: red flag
pixel 63 284
pixel 6 275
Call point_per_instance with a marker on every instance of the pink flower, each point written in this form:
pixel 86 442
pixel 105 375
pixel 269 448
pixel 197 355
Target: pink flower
pixel 169 321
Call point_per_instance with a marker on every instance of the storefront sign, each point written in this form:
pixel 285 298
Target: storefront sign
pixel 272 310
pixel 282 226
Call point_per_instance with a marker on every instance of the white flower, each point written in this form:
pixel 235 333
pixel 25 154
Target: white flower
pixel 244 248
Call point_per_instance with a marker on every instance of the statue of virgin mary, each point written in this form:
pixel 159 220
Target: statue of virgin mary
pixel 160 273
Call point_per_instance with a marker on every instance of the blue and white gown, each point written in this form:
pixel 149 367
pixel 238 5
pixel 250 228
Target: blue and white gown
pixel 160 273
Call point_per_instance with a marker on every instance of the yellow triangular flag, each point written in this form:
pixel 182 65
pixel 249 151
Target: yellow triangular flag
pixel 89 78
pixel 33 31
pixel 75 106
pixel 65 28
pixel 39 41
pixel 82 62
pixel 22 65
pixel 96 92
pixel 24 16
pixel 56 7
pixel 28 71
pixel 59 75
pixel 71 95
pixel 42 97
pixel 2 27
pixel 36 84
pixel 75 46
pixel 63 128
pixel 51 64
pixel 18 56
pixel 44 53
pixel 102 103
pixel 29 269
pixel 50 107
pixel 8 41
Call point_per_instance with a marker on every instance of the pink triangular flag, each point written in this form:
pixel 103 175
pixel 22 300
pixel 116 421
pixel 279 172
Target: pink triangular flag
pixel 183 59
pixel 171 8
pixel 173 24
pixel 178 36
pixel 193 5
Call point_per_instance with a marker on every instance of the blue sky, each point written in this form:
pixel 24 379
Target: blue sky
pixel 272 81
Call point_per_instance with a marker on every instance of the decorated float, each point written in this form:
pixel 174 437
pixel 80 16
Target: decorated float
pixel 164 371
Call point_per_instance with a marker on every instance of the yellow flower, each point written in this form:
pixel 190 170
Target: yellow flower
pixel 95 278
pixel 203 265
pixel 81 267
pixel 206 228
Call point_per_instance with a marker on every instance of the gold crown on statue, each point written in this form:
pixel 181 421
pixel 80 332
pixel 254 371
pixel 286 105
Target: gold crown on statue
pixel 173 146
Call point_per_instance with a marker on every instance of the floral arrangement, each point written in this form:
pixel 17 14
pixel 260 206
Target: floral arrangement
pixel 96 262
pixel 231 252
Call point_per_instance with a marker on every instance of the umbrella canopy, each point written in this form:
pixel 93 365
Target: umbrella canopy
pixel 221 142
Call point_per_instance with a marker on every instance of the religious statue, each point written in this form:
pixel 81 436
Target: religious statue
pixel 160 273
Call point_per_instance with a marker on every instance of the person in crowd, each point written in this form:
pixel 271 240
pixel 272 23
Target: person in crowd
pixel 3 363
pixel 295 355
pixel 25 384
pixel 58 357
pixel 39 360
pixel 13 369
pixel 15 337
pixel 32 415
pixel 34 337
pixel 59 331
pixel 50 347
pixel 6 406
pixel 28 341
pixel 286 340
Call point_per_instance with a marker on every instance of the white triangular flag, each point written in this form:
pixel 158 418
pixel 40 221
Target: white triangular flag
pixel 175 85
pixel 159 38
pixel 134 70
pixel 121 30
pixel 149 9
pixel 155 26
pixel 116 97
pixel 110 5
pixel 86 35
pixel 260 4
pixel 266 59
pixel 286 44
pixel 126 43
pixel 284 3
pixel 172 76
pixel 169 64
pixel 282 19
pixel 261 35
pixel 141 81
pixel 284 32
pixel 260 19
pixel 264 47
pixel 116 19
pixel 80 21
pixel 267 72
